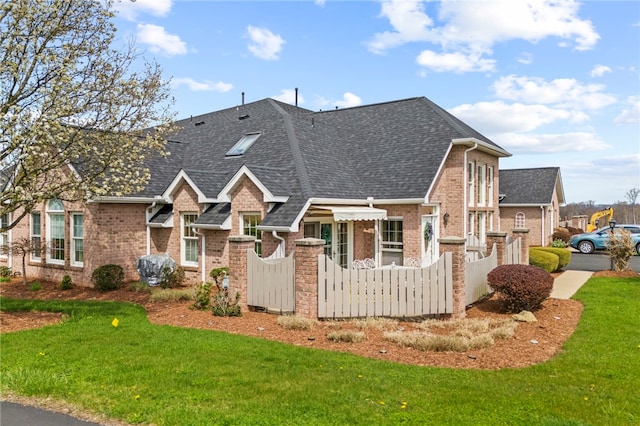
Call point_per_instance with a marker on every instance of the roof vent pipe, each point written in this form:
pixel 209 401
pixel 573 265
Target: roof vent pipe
pixel 242 98
pixel 296 96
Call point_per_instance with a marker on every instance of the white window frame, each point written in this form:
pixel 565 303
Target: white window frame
pixel 36 253
pixel 490 186
pixel 482 227
pixel 77 241
pixel 4 236
pixel 188 236
pixel 251 229
pixel 392 246
pixel 481 171
pixel 520 221
pixel 51 213
pixel 471 183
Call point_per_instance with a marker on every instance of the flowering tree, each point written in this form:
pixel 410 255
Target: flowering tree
pixel 72 114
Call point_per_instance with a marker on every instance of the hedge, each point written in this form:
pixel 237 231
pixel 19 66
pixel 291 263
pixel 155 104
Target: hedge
pixel 543 259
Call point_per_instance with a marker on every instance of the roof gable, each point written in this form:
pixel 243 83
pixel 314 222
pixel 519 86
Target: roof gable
pixel 533 186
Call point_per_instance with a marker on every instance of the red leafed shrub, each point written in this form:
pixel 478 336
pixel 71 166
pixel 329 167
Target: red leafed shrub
pixel 523 287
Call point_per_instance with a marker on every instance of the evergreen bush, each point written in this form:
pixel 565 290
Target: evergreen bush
pixel 544 260
pixel 108 277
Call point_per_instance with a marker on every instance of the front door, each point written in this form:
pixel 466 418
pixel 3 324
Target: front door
pixel 338 239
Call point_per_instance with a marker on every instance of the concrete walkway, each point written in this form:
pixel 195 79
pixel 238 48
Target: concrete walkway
pixel 566 285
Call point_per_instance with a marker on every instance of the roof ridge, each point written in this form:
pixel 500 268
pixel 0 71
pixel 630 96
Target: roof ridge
pixel 296 153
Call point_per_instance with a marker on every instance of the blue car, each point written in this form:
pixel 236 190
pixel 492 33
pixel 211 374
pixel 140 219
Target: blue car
pixel 597 240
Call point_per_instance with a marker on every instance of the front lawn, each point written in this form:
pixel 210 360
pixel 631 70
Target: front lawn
pixel 144 373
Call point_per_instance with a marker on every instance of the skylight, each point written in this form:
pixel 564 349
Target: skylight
pixel 243 144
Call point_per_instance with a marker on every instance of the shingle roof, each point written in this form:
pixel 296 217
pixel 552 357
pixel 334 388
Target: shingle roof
pixel 390 150
pixel 533 186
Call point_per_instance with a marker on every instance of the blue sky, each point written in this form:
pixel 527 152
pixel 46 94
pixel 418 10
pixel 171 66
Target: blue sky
pixel 555 83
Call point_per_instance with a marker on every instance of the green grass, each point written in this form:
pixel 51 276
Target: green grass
pixel 143 373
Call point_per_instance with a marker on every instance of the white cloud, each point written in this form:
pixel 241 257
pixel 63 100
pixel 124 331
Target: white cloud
pixel 454 62
pixel 561 92
pixel 523 144
pixel 474 27
pixel 348 100
pixel 525 58
pixel 203 86
pixel 289 96
pixel 159 41
pixel 626 166
pixel 600 70
pixel 264 44
pixel 630 115
pixel 130 9
pixel 499 117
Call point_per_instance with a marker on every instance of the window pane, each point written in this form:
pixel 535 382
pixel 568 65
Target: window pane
pixel 57 236
pixel 78 220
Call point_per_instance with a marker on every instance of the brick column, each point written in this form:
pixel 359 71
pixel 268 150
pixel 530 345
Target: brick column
pixel 524 234
pixel 306 260
pixel 456 246
pixel 499 238
pixel 238 246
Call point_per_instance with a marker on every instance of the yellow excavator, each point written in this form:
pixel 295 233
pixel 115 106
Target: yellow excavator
pixel 599 219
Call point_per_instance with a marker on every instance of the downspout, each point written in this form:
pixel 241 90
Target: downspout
pixel 465 202
pixel 149 210
pixel 542 227
pixel 281 246
pixel 10 254
pixel 202 254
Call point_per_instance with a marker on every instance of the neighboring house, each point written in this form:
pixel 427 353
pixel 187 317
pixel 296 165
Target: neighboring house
pixel 531 198
pixel 381 181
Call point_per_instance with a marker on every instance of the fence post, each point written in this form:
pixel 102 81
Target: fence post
pixel 456 246
pixel 306 267
pixel 499 238
pixel 524 234
pixel 238 247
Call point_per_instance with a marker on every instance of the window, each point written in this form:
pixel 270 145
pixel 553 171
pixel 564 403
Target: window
pixel 243 144
pixel 392 246
pixel 250 222
pixel 189 249
pixel 470 183
pixel 55 232
pixel 481 232
pixel 490 185
pixel 36 236
pixel 77 239
pixel 519 222
pixel 482 184
pixel 4 235
pixel 322 231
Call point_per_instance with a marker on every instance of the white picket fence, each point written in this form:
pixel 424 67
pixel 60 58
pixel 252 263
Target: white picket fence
pixel 513 251
pixel 384 292
pixel 475 277
pixel 271 283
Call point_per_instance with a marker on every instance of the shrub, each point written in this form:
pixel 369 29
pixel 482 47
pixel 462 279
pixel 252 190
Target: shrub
pixel 66 283
pixel 108 277
pixel 222 305
pixel 564 255
pixel 5 272
pixel 172 279
pixel 202 297
pixel 561 234
pixel 35 286
pixel 558 244
pixel 523 287
pixel 620 247
pixel 544 260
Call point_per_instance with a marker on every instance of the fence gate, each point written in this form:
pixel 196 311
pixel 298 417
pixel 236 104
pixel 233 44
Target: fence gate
pixel 271 283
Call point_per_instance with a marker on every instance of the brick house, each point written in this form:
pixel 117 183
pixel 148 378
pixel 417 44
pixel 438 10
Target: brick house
pixel 382 181
pixel 531 198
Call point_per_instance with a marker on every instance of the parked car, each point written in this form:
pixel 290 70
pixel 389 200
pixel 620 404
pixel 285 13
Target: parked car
pixel 597 240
